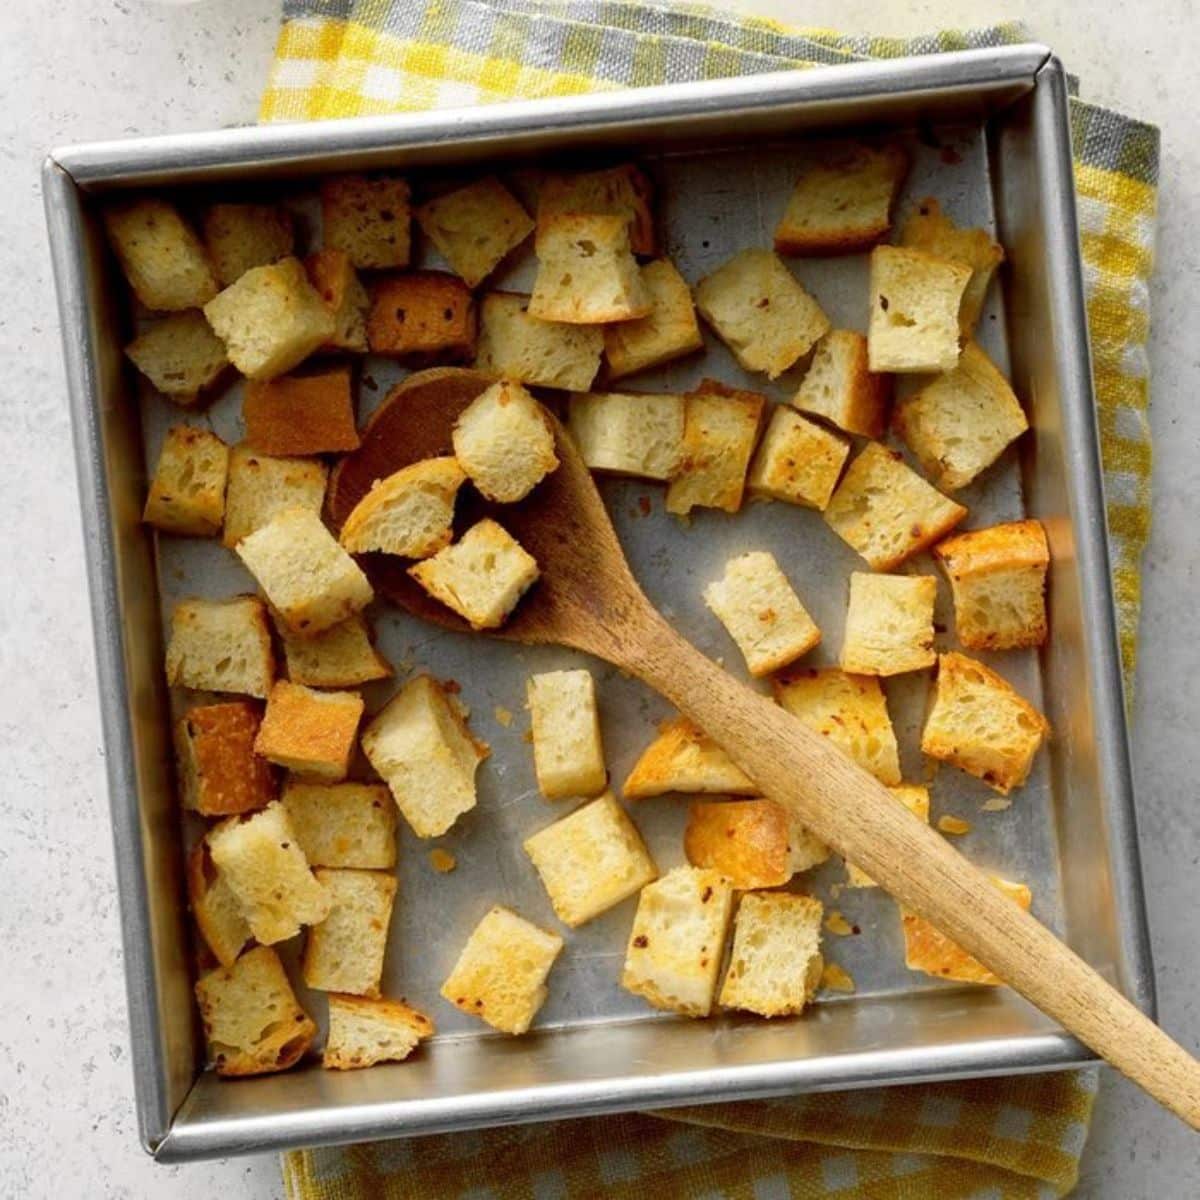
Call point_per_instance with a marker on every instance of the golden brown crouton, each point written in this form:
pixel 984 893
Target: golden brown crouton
pixel 668 331
pixel 798 461
pixel 514 344
pixel 363 1032
pixel 683 758
pixel 301 414
pixel 220 773
pixel 422 316
pixel 310 733
pixel 889 624
pixel 624 191
pixel 475 227
pixel 344 952
pixel 775 964
pixel 180 355
pixel 720 429
pixel 753 843
pixel 221 646
pixel 241 236
pixel 262 486
pixel 368 218
pixel 568 755
pixel 187 493
pixel 839 386
pixel 504 442
pixel 332 275
pixel 343 824
pixel 163 260
pixel 340 657
pixel 629 433
pixel 217 910
pixel 409 513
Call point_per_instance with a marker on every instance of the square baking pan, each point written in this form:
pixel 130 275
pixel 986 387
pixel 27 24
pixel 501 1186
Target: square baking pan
pixel 989 135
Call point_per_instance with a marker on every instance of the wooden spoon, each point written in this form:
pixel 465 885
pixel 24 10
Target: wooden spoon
pixel 588 599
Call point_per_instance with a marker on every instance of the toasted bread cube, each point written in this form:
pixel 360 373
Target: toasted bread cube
pixel 568 755
pixel 513 344
pixel 262 486
pixel 421 316
pixel 504 442
pixel 850 710
pixel 481 576
pixel 344 952
pixel 368 219
pixel 624 191
pixel 422 748
pixel 764 616
pixel 409 513
pixel 668 331
pixel 959 423
pixel 500 975
pixel 261 860
pixel 678 939
pixel 187 493
pixel 216 909
pixel 998 578
pixel 927 949
pixel 363 1032
pixel 270 320
pixel 775 964
pixel 163 260
pixel 839 386
pixel 629 433
pixel 241 236
pixel 221 646
pixel 301 414
pixel 591 860
pixel 252 1020
pixel 980 724
pixel 475 227
pixel 683 758
pixel 889 624
pixel 720 429
pixel 220 773
pixel 915 798
pixel 310 581
pixel 927 229
pixel 753 843
pixel 333 276
pixel 343 824
pixel 310 733
pixel 340 657
pixel 915 297
pixel 758 308
pixel 180 355
pixel 798 461
pixel 886 511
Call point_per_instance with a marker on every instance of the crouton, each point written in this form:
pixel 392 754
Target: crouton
pixel 241 236
pixel 332 275
pixel 927 949
pixel 420 745
pixel 959 423
pixel 220 773
pixel 252 1021
pixel 998 578
pixel 980 724
pixel 678 939
pixel 180 356
pixel 481 576
pixel 368 219
pixel 221 646
pixel 504 442
pixel 753 843
pixel 915 298
pixel 668 331
pixel 343 824
pixel 629 433
pixel 839 386
pixel 513 344
pixel 475 227
pixel 764 616
pixel 624 191
pixel 262 486
pixel 187 493
pixel 363 1032
pixel 590 860
pixel 915 798
pixel 720 428
pixel 340 657
pixel 409 513
pixel 309 732
pixel 927 229
pixel 758 308
pixel 422 316
pixel 889 624
pixel 775 964
pixel 163 260
pixel 500 976
pixel 886 511
pixel 344 952
pixel 683 758
pixel 301 414
pixel 216 909
pixel 798 461
pixel 850 710
pixel 270 320
pixel 568 755
pixel 263 864
pixel 310 581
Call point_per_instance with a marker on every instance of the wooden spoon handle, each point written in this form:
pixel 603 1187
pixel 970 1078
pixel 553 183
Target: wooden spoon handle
pixel 854 813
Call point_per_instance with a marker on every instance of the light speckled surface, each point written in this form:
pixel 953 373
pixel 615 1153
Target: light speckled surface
pixel 94 68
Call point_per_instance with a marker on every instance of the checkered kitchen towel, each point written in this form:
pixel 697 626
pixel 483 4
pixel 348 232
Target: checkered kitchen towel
pixel 1000 1138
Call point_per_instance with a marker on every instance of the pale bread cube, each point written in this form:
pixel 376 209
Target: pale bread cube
pixel 623 190
pixel 475 227
pixel 216 909
pixel 761 612
pixel 409 513
pixel 368 218
pixel 980 724
pixel 262 486
pixel 504 442
pixel 959 423
pixel 187 492
pixel 568 754
pixel 889 624
pixel 513 344
pixel 798 461
pixel 219 772
pixel 221 646
pixel 668 331
pixel 683 758
pixel 840 387
pixel 309 732
pixel 343 824
pixel 344 952
pixel 241 236
pixel 301 414
pixel 915 798
pixel 340 657
pixel 252 1021
pixel 720 428
pixel 333 276
pixel 883 509
pixel 850 710
pixel 753 843
pixel 163 260
pixel 180 355
pixel 678 939
pixel 363 1032
pixel 775 963
pixel 915 298
pixel 420 745
pixel 500 976
pixel 629 433
pixel 422 317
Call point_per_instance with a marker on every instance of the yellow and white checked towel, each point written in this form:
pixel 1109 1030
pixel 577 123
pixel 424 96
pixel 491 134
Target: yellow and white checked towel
pixel 990 1139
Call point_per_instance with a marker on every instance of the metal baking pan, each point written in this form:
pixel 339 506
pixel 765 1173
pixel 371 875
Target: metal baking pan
pixel 989 135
